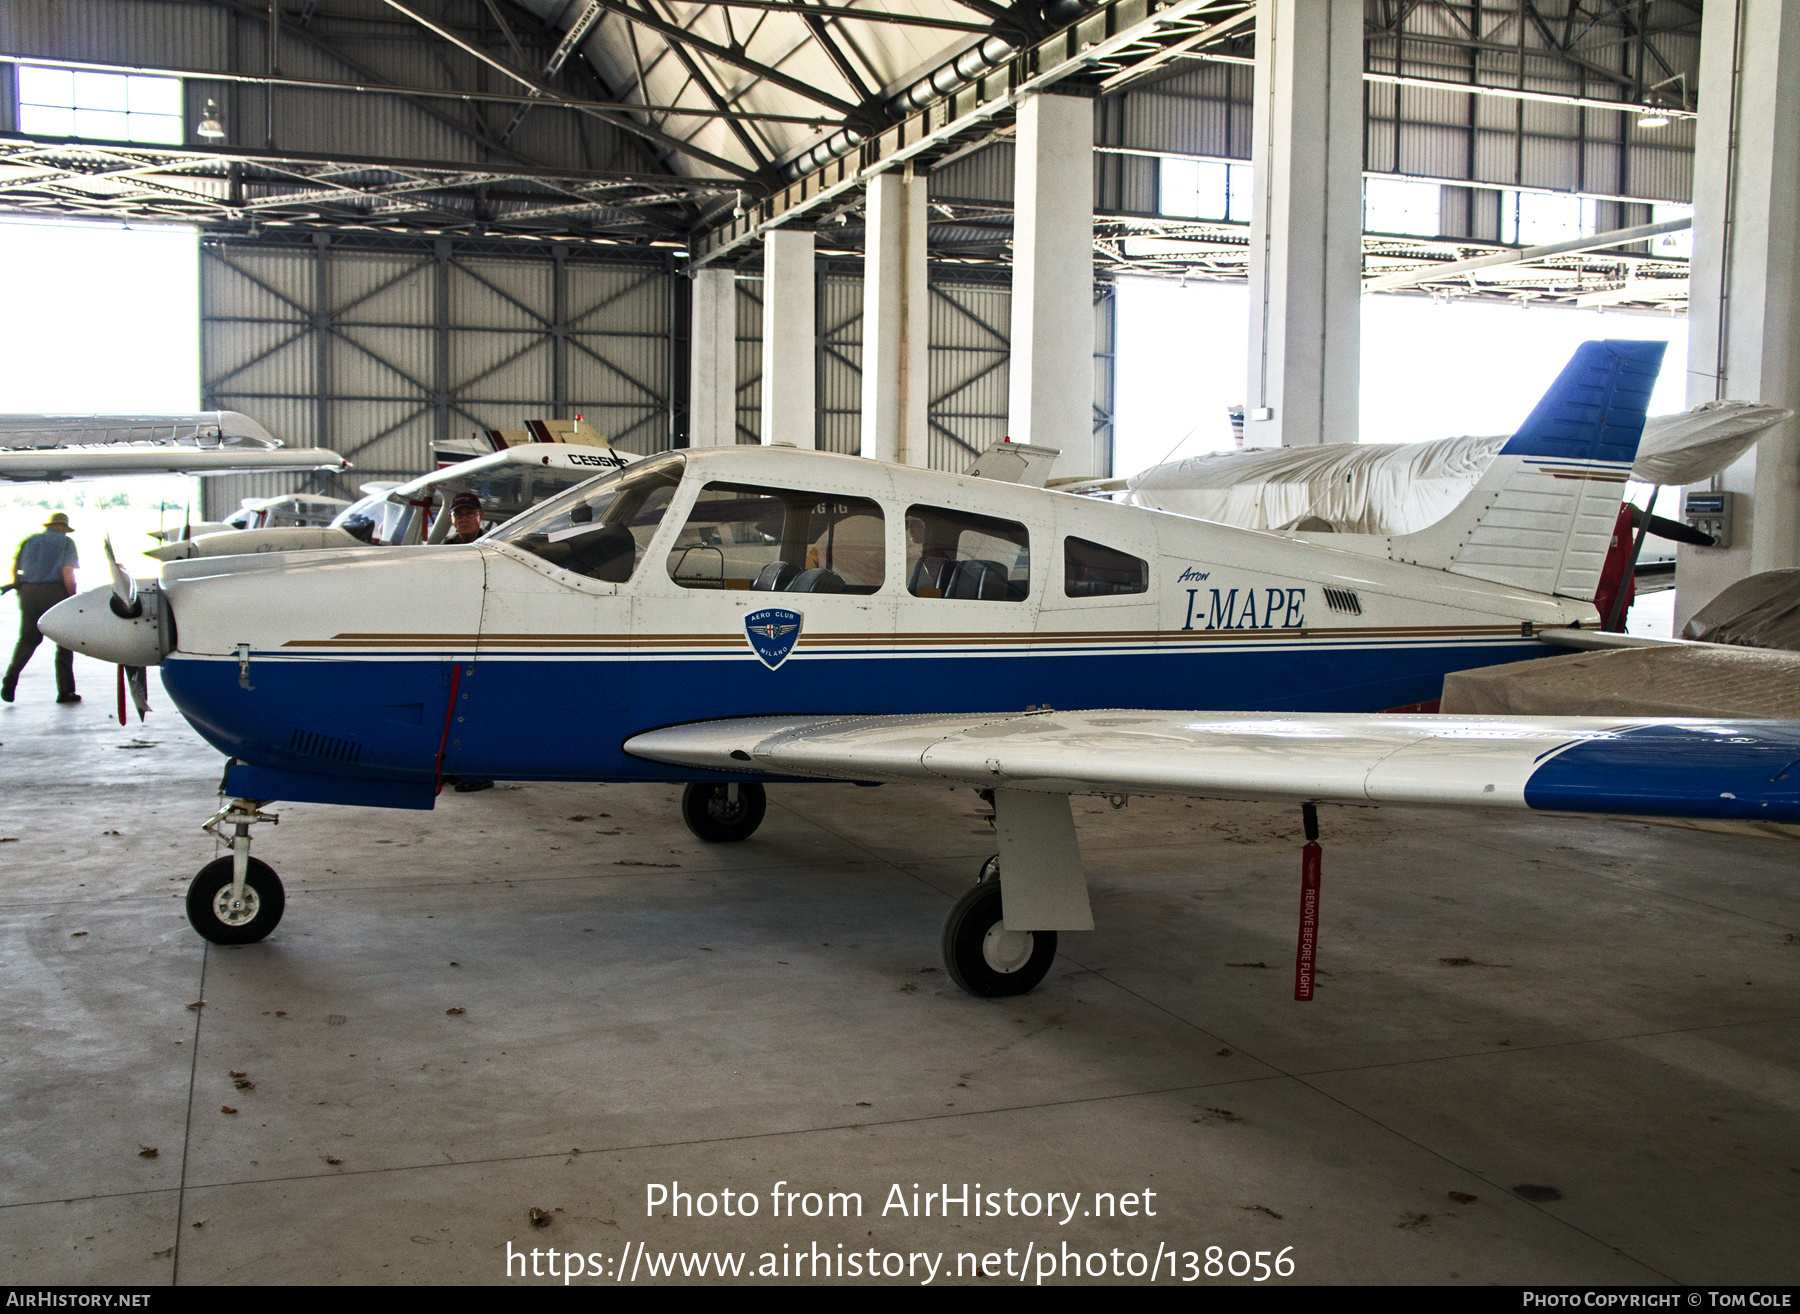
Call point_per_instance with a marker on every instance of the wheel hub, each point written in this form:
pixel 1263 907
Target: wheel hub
pixel 722 810
pixel 1006 951
pixel 236 912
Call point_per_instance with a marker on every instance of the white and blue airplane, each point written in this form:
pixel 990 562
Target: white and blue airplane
pixel 724 617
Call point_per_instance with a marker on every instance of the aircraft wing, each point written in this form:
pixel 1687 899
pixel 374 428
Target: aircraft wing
pixel 108 460
pixel 1735 770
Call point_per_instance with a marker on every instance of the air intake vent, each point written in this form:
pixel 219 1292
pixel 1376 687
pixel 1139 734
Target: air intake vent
pixel 314 744
pixel 1344 600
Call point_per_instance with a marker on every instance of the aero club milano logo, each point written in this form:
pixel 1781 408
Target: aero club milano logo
pixel 773 632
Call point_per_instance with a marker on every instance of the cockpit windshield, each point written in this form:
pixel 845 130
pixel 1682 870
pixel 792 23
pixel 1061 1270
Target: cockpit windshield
pixel 373 519
pixel 601 528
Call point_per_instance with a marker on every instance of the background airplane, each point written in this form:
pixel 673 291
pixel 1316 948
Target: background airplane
pixel 575 642
pixel 52 448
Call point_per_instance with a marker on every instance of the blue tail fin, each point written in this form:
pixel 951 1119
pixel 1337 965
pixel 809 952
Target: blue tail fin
pixel 1542 516
pixel 1595 410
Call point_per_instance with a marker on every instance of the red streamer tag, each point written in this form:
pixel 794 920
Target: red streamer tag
pixel 1306 956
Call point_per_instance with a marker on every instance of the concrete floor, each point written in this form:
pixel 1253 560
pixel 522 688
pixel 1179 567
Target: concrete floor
pixel 1605 1009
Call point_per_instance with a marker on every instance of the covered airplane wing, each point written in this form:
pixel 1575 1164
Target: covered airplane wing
pixel 1402 488
pixel 1690 768
pixel 196 429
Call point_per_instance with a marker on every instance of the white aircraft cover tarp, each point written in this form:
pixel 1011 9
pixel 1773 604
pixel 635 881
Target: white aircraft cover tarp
pixel 1401 488
pixel 1759 611
pixel 1359 488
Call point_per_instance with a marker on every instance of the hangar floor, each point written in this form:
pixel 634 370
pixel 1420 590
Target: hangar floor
pixel 600 1002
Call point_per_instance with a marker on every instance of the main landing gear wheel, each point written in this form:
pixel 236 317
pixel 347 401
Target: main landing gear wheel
pixel 223 920
pixel 985 958
pixel 723 814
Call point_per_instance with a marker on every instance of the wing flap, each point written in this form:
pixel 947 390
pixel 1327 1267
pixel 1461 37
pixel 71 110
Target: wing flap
pixel 1666 768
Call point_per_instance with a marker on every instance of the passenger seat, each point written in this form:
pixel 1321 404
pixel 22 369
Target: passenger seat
pixel 774 577
pixel 975 578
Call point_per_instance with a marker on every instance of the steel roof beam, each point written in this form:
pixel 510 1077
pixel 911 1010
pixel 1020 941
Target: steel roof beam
pixel 673 32
pixel 623 121
pixel 547 101
pixel 698 77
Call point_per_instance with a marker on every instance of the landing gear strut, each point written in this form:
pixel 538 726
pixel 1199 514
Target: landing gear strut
pixel 981 955
pixel 723 814
pixel 239 899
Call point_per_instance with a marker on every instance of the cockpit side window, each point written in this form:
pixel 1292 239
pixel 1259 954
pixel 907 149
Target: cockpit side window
pixel 1093 570
pixel 602 528
pixel 780 540
pixel 957 554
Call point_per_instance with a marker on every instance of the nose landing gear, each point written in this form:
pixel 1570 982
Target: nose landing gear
pixel 239 899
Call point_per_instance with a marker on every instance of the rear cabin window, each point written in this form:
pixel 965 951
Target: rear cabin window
pixel 956 554
pixel 1093 570
pixel 780 540
pixel 601 528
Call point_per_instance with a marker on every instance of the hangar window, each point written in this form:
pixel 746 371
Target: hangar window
pixel 1204 189
pixel 601 528
pixel 1394 205
pixel 956 554
pixel 61 102
pixel 1092 570
pixel 780 540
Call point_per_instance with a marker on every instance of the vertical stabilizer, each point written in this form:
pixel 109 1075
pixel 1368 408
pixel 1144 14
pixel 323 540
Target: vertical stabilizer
pixel 1542 516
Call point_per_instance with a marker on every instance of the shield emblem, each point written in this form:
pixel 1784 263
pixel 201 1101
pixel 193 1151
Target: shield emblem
pixel 773 632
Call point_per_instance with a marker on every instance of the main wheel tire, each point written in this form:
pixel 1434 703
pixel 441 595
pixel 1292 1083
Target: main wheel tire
pixel 209 903
pixel 711 815
pixel 985 958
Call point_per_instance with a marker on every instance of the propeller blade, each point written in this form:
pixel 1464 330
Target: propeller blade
pixel 1673 530
pixel 125 598
pixel 137 679
pixel 121 671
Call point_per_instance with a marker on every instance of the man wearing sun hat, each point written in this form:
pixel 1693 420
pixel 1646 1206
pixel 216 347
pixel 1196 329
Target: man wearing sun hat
pixel 43 574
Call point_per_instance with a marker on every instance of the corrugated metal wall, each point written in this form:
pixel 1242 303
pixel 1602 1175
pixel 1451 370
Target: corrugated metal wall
pixel 377 354
pixel 969 365
pixel 1415 131
pixel 970 370
pixel 356 38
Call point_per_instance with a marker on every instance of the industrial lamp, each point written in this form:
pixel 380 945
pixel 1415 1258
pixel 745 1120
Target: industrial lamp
pixel 1653 119
pixel 209 126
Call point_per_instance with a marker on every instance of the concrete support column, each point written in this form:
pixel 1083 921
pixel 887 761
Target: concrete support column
pixel 896 383
pixel 1744 283
pixel 1306 224
pixel 1052 378
pixel 790 339
pixel 712 373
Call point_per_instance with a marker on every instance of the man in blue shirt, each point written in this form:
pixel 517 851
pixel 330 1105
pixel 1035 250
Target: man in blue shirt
pixel 43 574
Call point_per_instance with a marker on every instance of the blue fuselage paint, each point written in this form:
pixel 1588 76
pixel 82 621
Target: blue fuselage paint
pixel 563 717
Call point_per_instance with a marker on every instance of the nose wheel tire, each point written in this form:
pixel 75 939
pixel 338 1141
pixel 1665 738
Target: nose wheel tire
pixel 713 815
pixel 985 958
pixel 218 918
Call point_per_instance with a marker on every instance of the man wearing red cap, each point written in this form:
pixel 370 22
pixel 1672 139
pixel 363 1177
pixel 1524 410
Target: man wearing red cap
pixel 465 518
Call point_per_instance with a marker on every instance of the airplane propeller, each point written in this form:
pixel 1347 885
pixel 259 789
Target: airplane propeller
pixel 125 602
pixel 126 605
